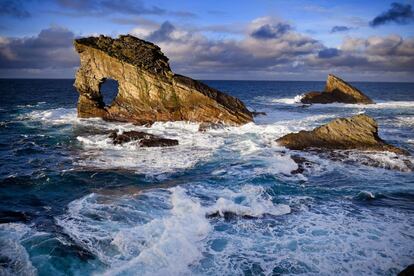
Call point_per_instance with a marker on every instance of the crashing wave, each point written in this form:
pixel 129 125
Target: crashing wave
pixel 168 238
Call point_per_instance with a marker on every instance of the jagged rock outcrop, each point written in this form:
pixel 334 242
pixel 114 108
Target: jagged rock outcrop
pixel 144 139
pixel 148 90
pixel 357 132
pixel 337 90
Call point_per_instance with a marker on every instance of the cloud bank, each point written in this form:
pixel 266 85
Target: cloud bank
pixel 271 48
pixel 268 48
pixel 51 50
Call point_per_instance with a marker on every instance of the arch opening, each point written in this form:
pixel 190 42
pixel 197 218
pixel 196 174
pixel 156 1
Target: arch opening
pixel 108 88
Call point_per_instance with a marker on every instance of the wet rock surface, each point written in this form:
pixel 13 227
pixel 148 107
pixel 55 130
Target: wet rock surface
pixel 357 132
pixel 7 216
pixel 337 90
pixel 158 142
pixel 408 271
pixel 148 90
pixel 258 113
pixel 203 127
pixel 144 139
pixel 303 164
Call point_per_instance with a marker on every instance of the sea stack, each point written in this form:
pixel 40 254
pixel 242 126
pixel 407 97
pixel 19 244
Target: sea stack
pixel 357 132
pixel 148 90
pixel 337 90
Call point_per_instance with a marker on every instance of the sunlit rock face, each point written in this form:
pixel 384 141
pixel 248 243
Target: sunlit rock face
pixel 337 90
pixel 357 132
pixel 148 90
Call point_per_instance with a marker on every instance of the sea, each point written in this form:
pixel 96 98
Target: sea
pixel 228 201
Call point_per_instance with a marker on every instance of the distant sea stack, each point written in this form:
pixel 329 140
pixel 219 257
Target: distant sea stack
pixel 148 90
pixel 357 132
pixel 337 90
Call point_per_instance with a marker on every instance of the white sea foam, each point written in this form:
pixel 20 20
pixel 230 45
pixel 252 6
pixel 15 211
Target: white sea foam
pixel 250 142
pixel 385 160
pixel 133 236
pixel 171 244
pixel 250 201
pixel 53 116
pixel 173 235
pixel 365 195
pixel 404 121
pixel 11 250
pixel 317 241
pixel 194 147
pixel 294 100
pixel 378 105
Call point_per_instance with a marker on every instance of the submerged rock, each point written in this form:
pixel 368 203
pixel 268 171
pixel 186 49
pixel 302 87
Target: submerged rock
pixel 258 113
pixel 337 90
pixel 158 142
pixel 203 127
pixel 7 216
pixel 303 164
pixel 145 139
pixel 408 271
pixel 148 90
pixel 357 132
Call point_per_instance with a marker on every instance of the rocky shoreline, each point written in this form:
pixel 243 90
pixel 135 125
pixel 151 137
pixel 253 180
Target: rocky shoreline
pixel 149 91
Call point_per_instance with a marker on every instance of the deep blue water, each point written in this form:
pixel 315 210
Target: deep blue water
pixel 71 203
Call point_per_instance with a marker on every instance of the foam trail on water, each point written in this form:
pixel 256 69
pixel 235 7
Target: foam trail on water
pixel 294 100
pixel 194 147
pixel 170 238
pixel 378 105
pixel 385 160
pixel 12 251
pixel 53 116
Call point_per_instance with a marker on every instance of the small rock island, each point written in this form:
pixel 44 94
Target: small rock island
pixel 357 132
pixel 337 90
pixel 148 89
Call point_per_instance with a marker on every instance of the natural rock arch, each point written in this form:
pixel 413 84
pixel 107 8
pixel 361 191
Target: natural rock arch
pixel 148 90
pixel 109 90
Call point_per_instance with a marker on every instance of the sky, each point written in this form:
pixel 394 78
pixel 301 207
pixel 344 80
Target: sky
pixel 371 40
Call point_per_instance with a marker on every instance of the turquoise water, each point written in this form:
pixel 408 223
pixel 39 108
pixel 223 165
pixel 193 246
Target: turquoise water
pixel 223 202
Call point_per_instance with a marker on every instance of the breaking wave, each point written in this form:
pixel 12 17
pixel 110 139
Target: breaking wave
pixel 169 238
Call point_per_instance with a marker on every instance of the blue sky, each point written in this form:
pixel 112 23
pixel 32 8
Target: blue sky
pixel 265 39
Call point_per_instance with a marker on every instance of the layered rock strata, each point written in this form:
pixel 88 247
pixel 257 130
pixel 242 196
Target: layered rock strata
pixel 357 132
pixel 148 90
pixel 337 90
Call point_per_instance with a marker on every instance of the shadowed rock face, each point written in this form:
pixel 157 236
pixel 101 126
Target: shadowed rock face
pixel 408 271
pixel 357 132
pixel 337 90
pixel 148 90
